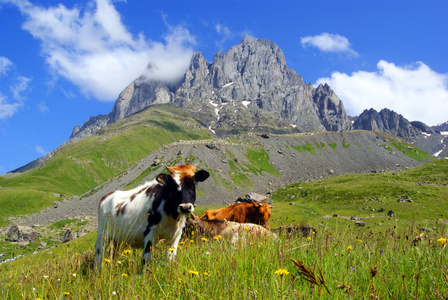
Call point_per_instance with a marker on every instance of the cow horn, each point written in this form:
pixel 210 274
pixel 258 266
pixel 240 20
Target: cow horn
pixel 255 203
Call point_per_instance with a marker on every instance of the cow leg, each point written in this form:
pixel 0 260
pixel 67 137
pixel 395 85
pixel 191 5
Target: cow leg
pixel 147 245
pixel 176 239
pixel 99 249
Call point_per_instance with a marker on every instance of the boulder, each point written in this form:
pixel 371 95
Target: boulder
pixel 67 236
pixel 17 233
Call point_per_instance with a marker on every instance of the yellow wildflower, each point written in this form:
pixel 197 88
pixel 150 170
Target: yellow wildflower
pixel 124 275
pixel 66 293
pixel 182 243
pixel 193 272
pixel 106 260
pixel 281 272
pixel 172 249
pixel 179 247
pixel 205 274
pixel 442 241
pixel 349 248
pixel 126 252
pixel 218 237
pixel 204 239
pixel 245 228
pixel 308 238
pixel 191 241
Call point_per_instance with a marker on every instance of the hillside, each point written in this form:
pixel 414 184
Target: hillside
pixel 81 166
pixel 252 163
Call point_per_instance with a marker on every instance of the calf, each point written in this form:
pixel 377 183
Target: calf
pixel 228 229
pixel 241 213
pixel 156 210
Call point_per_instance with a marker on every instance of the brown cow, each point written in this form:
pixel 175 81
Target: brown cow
pixel 228 229
pixel 241 213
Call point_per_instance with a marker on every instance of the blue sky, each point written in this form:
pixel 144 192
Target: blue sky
pixel 62 62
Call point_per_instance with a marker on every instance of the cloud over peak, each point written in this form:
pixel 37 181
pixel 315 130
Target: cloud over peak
pixel 415 91
pixel 91 47
pixel 327 42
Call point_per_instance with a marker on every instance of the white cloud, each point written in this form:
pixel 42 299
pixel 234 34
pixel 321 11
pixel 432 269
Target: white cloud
pixel 40 150
pixel 91 47
pixel 20 87
pixel 225 33
pixel 5 64
pixel 415 91
pixel 7 109
pixel 327 42
pixel 43 107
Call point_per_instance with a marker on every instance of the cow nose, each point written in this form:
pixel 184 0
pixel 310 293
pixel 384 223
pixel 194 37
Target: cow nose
pixel 186 208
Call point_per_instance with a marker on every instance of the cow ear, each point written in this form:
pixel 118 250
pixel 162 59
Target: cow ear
pixel 193 216
pixel 162 178
pixel 201 175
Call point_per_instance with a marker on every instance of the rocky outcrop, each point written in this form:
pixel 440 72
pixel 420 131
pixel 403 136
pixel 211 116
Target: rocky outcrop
pixel 416 132
pixel 386 120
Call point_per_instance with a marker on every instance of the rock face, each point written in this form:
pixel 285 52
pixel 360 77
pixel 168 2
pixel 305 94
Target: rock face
pixel 386 120
pixel 416 132
pixel 249 87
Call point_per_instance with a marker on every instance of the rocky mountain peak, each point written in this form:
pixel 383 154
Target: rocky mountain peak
pixel 249 87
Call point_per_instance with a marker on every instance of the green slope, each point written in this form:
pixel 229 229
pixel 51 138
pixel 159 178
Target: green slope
pixel 418 194
pixel 83 165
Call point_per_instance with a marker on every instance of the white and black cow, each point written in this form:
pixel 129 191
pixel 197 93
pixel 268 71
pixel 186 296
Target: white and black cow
pixel 155 210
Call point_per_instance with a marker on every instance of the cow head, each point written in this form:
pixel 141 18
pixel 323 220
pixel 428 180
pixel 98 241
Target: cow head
pixel 179 187
pixel 263 213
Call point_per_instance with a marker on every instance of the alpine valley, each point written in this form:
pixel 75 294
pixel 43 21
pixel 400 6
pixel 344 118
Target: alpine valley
pixel 247 118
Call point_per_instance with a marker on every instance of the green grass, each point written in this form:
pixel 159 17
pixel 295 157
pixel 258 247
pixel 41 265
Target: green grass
pixel 307 147
pixel 333 145
pixel 382 260
pixel 354 264
pixel 364 195
pixel 260 162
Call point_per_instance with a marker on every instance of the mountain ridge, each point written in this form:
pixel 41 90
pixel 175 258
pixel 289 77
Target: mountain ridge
pixel 249 88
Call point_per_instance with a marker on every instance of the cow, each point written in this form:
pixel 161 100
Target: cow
pixel 228 229
pixel 241 213
pixel 155 210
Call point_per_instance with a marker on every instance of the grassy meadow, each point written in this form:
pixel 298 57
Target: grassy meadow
pixel 339 262
pixel 401 257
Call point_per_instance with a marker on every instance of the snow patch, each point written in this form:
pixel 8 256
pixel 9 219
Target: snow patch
pixel 444 133
pixel 245 103
pixel 228 84
pixel 213 103
pixel 210 128
pixel 293 125
pixel 426 134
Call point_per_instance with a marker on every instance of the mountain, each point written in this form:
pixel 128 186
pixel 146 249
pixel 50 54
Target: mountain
pixel 442 127
pixel 418 133
pixel 248 88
